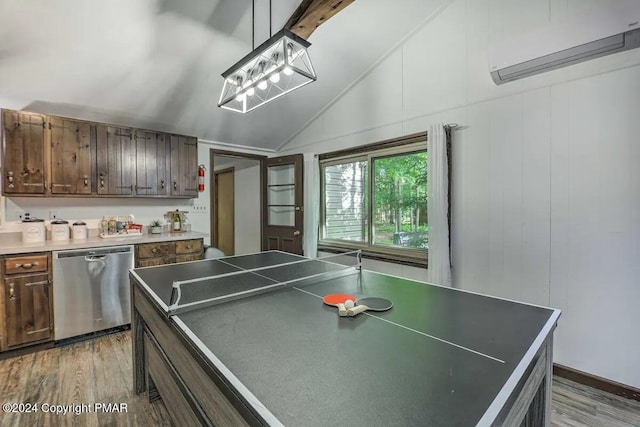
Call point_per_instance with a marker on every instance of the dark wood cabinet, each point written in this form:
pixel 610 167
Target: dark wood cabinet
pixel 152 163
pixel 150 254
pixel 26 301
pixel 55 156
pixel 23 168
pixel 71 156
pixel 28 309
pixel 115 158
pixel 184 166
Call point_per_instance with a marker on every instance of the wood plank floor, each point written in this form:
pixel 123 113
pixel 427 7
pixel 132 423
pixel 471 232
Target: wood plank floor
pixel 99 371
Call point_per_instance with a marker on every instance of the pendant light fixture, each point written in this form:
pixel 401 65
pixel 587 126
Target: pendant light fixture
pixel 278 66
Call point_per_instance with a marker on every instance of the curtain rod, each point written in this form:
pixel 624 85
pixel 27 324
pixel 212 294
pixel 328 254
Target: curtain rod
pixel 455 126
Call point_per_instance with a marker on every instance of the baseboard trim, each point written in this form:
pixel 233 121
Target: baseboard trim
pixel 594 381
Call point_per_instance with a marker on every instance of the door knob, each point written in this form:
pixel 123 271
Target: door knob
pixel 296 233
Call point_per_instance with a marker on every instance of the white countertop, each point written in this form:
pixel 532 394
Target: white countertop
pixel 11 243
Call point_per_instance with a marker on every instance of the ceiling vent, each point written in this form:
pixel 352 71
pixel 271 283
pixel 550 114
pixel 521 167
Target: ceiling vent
pixel 600 32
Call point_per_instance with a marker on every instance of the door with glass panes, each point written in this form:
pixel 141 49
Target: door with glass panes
pixel 282 204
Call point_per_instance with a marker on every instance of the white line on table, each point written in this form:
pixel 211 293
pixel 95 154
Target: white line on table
pixel 417 332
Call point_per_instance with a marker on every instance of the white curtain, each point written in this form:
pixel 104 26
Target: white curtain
pixel 311 205
pixel 439 270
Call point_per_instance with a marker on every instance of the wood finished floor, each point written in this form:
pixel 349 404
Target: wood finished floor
pixel 100 371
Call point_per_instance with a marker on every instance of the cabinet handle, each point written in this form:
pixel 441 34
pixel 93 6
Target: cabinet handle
pixel 33 184
pixel 86 181
pixel 42 282
pixel 28 266
pixel 10 179
pixel 101 181
pixel 296 233
pixel 130 187
pixel 175 185
pixel 191 189
pixel 37 331
pixel 154 250
pixel 61 185
pixel 162 184
pixel 12 291
pixel 143 188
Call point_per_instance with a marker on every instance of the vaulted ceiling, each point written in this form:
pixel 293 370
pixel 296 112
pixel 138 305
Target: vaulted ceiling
pixel 156 63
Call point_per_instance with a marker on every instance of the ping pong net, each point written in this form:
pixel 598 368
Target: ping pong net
pixel 196 293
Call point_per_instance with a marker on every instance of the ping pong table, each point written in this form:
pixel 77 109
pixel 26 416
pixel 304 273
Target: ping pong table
pixel 246 340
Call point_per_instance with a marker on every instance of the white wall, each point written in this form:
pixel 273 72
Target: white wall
pixel 546 188
pixel 247 209
pixel 92 209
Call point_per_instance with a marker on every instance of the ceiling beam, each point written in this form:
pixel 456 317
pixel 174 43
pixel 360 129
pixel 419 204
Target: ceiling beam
pixel 312 13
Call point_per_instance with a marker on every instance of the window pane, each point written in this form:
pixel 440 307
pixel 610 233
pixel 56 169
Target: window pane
pixel 345 201
pixel 400 200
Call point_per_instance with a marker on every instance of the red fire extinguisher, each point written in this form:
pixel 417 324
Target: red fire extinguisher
pixel 201 170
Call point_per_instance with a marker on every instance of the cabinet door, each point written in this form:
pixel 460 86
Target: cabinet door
pixel 3 312
pixel 152 153
pixel 70 156
pixel 28 309
pixel 115 154
pixel 23 153
pixel 184 166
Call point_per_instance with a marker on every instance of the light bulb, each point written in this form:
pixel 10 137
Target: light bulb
pixel 240 97
pixel 275 78
pixel 287 71
pixel 251 91
pixel 262 85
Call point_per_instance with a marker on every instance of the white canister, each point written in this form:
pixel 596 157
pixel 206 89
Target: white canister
pixel 79 230
pixel 33 230
pixel 59 230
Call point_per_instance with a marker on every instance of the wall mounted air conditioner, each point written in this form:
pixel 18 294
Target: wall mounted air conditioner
pixel 601 31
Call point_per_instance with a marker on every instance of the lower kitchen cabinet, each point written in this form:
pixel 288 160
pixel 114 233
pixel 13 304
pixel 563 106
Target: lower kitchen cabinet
pixel 26 300
pixel 151 254
pixel 28 309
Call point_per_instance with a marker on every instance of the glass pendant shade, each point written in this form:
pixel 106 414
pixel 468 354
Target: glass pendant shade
pixel 277 66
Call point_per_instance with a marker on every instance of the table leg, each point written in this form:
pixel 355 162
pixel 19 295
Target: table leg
pixel 137 339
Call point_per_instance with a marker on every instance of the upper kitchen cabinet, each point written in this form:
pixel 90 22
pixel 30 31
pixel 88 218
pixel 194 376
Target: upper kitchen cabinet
pixel 115 160
pixel 23 153
pixel 72 143
pixel 56 156
pixel 184 166
pixel 152 163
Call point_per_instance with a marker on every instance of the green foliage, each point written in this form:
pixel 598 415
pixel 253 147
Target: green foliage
pixel 400 190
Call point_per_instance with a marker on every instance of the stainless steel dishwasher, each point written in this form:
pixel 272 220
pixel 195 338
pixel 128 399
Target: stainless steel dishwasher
pixel 91 290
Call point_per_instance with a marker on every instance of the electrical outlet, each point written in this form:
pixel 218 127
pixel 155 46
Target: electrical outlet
pixel 53 214
pixel 22 214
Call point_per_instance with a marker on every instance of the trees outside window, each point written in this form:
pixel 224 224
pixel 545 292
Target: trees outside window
pixel 376 201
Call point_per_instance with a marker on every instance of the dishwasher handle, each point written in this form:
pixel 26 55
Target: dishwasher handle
pixel 92 258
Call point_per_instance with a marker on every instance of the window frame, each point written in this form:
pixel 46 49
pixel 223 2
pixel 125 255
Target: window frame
pixel 415 143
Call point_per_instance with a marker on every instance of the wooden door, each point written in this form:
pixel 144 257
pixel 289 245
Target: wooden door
pixel 23 153
pixel 152 154
pixel 184 166
pixel 28 309
pixel 282 204
pixel 224 216
pixel 115 160
pixel 71 148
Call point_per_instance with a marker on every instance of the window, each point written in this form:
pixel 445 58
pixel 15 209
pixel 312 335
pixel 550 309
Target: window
pixel 375 199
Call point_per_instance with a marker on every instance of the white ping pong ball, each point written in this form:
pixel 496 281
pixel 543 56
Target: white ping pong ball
pixel 348 304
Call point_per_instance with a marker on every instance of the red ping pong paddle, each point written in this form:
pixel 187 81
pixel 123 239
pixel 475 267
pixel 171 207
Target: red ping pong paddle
pixel 370 303
pixel 337 300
